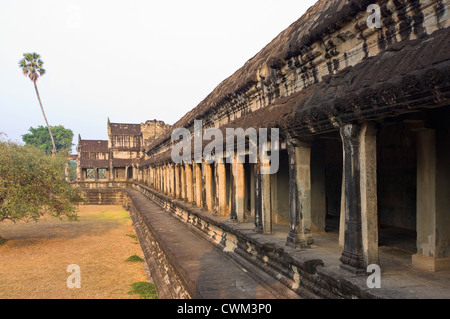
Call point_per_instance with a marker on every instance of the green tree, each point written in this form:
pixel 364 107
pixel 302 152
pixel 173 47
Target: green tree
pixel 40 138
pixel 32 66
pixel 33 184
pixel 72 171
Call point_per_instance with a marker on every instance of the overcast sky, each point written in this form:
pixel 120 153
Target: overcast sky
pixel 131 60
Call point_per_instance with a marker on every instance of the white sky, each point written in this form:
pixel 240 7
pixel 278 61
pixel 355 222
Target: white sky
pixel 131 60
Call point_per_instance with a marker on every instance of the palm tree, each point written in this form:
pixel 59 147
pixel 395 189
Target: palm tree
pixel 31 66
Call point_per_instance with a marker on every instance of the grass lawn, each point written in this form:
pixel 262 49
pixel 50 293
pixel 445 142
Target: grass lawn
pixel 35 256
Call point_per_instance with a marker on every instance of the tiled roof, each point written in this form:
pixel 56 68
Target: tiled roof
pixel 93 146
pixel 125 129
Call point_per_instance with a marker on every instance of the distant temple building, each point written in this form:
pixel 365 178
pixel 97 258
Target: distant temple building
pixel 117 158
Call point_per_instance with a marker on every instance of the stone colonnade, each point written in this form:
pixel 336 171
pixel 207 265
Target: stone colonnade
pixel 241 192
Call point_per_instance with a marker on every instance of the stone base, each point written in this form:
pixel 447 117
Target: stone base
pixel 353 263
pixel 294 240
pixel 430 263
pixel 258 230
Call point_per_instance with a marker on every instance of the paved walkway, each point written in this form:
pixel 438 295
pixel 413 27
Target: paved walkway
pixel 214 275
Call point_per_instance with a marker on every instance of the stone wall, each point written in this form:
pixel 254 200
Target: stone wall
pixel 168 283
pixel 151 130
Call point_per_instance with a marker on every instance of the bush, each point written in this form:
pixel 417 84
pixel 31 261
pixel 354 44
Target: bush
pixel 134 259
pixel 145 289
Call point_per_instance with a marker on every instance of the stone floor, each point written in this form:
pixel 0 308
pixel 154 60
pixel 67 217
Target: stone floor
pixel 210 272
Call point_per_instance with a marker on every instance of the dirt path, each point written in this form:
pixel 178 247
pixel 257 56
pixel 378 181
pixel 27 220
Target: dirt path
pixel 34 261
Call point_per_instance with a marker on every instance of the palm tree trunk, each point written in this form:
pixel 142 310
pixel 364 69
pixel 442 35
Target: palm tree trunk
pixel 43 113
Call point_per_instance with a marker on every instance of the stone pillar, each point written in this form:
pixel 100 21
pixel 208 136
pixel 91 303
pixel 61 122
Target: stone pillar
pixel 221 188
pixel 299 194
pixel 233 191
pixel 182 182
pixel 158 178
pixel 154 176
pixel 198 184
pixel 266 207
pixel 189 183
pixel 207 173
pixel 151 176
pixel 342 219
pixel 161 178
pixel 252 191
pixel 177 181
pixel 352 258
pixel 111 169
pixel 174 181
pixel 318 191
pixel 369 200
pixel 169 180
pixel 166 180
pixel 258 200
pixel 433 218
pixel 239 185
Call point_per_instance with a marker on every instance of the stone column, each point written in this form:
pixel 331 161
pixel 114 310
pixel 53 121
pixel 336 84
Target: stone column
pixel 299 194
pixel 352 258
pixel 258 200
pixel 207 172
pixel 161 178
pixel 174 180
pixel 318 191
pixel 158 178
pixel 252 191
pixel 221 188
pixel 182 182
pixel 266 207
pixel 169 180
pixel 177 181
pixel 233 191
pixel 111 169
pixel 151 176
pixel 369 200
pixel 198 184
pixel 166 180
pixel 239 185
pixel 342 219
pixel 433 218
pixel 189 183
